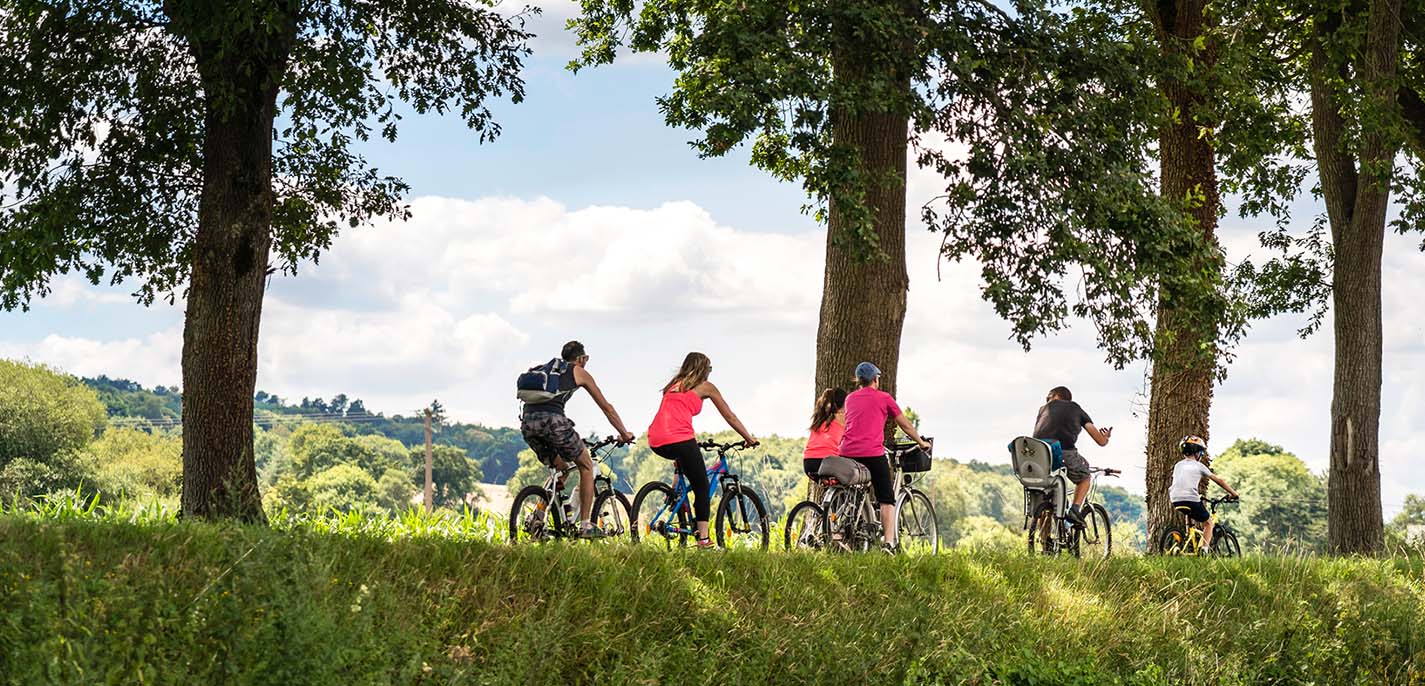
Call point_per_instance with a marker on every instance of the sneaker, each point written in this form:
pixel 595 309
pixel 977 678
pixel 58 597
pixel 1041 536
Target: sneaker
pixel 592 532
pixel 889 548
pixel 705 544
pixel 1075 515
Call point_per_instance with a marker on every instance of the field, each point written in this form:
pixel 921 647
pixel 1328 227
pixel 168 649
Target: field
pixel 131 597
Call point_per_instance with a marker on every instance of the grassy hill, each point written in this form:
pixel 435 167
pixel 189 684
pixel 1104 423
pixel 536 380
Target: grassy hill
pixel 105 600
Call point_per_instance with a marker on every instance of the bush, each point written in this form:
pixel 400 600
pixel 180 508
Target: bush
pixel 44 413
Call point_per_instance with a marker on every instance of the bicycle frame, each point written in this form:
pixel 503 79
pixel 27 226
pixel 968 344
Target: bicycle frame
pixel 553 484
pixel 719 475
pixel 1193 530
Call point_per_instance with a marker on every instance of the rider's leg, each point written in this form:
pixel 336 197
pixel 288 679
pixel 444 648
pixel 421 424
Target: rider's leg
pixel 585 463
pixel 689 459
pixel 1078 472
pixel 1207 533
pixel 885 489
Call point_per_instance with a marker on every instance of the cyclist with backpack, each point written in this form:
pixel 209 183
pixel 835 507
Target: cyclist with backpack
pixel 550 434
pixel 1188 473
pixel 1061 419
pixel 828 425
pixel 671 435
pixel 867 410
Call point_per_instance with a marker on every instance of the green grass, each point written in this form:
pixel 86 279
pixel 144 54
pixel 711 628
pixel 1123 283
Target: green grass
pixel 126 596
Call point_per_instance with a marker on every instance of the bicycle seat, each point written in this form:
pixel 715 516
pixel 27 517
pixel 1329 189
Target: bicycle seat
pixel 1182 508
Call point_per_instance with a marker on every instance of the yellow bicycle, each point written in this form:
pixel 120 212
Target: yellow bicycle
pixel 1186 540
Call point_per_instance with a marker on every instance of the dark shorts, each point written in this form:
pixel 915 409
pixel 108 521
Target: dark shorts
pixel 1195 509
pixel 811 465
pixel 880 478
pixel 1076 466
pixel 550 435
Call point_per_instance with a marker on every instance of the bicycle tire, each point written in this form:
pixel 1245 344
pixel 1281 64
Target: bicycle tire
pixel 1043 519
pixel 738 526
pixel 1224 543
pixel 1097 534
pixel 612 513
pixel 653 497
pixel 537 524
pixel 806 527
pixel 1173 542
pixel 918 534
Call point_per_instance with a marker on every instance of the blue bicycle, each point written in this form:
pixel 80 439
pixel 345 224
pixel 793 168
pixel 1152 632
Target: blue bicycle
pixel 663 513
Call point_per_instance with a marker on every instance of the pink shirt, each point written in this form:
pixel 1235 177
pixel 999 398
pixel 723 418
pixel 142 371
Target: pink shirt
pixel 824 442
pixel 674 421
pixel 867 410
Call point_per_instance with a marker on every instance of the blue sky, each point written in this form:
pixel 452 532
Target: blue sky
pixel 656 252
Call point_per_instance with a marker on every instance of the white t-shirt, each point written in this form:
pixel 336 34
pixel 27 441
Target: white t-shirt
pixel 1187 474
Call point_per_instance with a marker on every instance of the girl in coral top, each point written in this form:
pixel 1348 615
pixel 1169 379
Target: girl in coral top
pixel 828 423
pixel 671 436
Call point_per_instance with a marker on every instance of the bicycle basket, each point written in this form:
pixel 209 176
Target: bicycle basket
pixel 916 460
pixel 845 470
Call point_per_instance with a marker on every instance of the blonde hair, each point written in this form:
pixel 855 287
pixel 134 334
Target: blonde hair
pixel 695 370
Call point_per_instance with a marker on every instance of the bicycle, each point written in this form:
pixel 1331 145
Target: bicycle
pixel 542 513
pixel 847 518
pixel 664 513
pixel 1050 529
pixel 1187 540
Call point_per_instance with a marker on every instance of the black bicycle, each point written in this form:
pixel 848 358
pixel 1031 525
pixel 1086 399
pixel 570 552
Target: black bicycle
pixel 542 513
pixel 1187 538
pixel 1052 532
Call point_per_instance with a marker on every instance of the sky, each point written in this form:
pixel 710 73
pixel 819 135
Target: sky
pixel 590 219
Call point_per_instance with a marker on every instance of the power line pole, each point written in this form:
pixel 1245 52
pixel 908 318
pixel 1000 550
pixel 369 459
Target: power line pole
pixel 430 491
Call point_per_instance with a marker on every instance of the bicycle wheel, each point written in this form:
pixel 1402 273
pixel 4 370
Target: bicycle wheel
pixel 653 520
pixel 806 527
pixel 1095 539
pixel 1224 543
pixel 531 517
pixel 917 532
pixel 612 513
pixel 1041 531
pixel 1174 542
pixel 742 520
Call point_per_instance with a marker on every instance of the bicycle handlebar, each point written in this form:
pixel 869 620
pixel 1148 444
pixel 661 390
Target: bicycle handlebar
pixel 1106 471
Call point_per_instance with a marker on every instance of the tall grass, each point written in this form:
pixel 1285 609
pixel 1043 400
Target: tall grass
pixel 103 596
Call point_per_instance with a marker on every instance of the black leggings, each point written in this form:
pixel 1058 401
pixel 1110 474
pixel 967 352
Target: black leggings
pixel 689 461
pixel 880 478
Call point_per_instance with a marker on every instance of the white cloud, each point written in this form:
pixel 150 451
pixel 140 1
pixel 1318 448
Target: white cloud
pixel 152 360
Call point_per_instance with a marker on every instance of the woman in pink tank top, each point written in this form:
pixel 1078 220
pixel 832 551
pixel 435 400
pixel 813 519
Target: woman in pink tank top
pixel 671 435
pixel 828 423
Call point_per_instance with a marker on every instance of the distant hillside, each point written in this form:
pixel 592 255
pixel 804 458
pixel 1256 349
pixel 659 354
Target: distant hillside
pixel 495 448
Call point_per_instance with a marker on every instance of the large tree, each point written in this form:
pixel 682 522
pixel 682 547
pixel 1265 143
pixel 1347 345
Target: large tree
pixel 181 145
pixel 1361 65
pixel 836 93
pixel 1184 93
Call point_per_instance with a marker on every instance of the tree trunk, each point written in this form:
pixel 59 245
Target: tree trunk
pixel 1356 208
pixel 863 297
pixel 229 266
pixel 1184 364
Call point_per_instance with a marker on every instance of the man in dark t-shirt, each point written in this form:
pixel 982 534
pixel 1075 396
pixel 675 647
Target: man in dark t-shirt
pixel 1061 419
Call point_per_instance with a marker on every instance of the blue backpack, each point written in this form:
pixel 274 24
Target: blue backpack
pixel 541 383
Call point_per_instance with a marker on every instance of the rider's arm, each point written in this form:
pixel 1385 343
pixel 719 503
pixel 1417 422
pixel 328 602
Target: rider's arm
pixel 1218 480
pixel 707 390
pixel 586 380
pixel 1099 436
pixel 909 430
